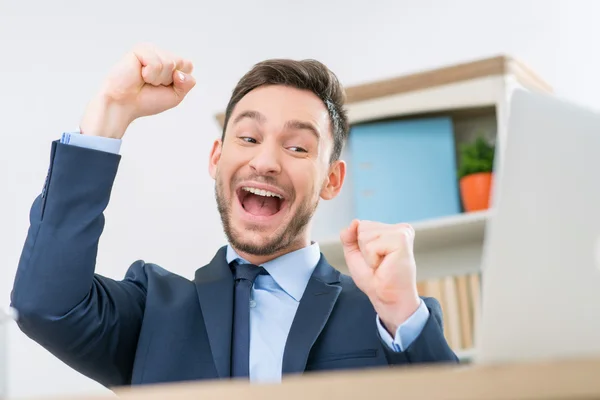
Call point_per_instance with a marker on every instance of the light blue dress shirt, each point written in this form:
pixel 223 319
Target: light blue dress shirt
pixel 275 297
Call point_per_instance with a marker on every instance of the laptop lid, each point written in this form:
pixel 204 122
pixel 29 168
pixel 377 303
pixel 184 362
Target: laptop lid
pixel 541 264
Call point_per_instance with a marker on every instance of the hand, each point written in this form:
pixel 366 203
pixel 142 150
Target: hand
pixel 145 82
pixel 381 261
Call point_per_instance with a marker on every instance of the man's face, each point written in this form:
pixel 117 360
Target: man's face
pixel 272 168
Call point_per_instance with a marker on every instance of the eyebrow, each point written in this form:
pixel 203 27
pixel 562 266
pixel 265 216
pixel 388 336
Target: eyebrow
pixel 255 115
pixel 289 125
pixel 301 125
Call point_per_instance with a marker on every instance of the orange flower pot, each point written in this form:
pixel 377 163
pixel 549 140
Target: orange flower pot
pixel 475 190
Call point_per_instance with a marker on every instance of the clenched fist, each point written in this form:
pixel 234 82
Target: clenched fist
pixel 146 81
pixel 381 261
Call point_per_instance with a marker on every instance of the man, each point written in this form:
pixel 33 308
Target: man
pixel 268 303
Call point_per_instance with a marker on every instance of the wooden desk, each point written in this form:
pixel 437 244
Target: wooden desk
pixel 573 379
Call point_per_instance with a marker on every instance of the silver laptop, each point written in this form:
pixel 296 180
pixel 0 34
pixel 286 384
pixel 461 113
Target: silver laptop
pixel 541 265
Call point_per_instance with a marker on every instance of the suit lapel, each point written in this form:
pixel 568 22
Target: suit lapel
pixel 313 312
pixel 214 284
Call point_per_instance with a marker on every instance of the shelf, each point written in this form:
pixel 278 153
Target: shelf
pixel 468 84
pixel 441 235
pixel 449 231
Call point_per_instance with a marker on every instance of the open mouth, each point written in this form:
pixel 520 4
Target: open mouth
pixel 259 202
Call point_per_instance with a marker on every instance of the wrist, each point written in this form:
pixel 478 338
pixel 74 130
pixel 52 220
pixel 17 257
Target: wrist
pixel 392 316
pixel 105 118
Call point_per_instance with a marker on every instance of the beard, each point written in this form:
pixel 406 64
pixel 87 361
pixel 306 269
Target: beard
pixel 282 239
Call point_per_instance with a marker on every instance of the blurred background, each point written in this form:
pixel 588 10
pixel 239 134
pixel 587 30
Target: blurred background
pixel 54 55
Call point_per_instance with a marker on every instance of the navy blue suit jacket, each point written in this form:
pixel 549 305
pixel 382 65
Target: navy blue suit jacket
pixel 154 326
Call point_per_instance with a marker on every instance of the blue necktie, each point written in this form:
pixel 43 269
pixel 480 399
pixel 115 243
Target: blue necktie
pixel 244 275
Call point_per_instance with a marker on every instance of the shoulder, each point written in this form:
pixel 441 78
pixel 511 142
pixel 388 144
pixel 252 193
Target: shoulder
pixel 350 292
pixel 149 276
pixel 348 284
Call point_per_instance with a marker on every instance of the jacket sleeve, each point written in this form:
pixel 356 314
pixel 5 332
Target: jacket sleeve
pixel 430 346
pixel 88 321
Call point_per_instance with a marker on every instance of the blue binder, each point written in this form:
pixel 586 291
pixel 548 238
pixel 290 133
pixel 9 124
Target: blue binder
pixel 405 170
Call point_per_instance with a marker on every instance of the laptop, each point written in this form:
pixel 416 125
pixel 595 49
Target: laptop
pixel 541 262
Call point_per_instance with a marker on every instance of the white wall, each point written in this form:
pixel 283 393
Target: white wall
pixel 53 55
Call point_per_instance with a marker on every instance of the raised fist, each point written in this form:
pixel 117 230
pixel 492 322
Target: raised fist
pixel 381 261
pixel 146 81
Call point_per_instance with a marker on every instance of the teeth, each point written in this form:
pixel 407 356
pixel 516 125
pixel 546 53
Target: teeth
pixel 260 192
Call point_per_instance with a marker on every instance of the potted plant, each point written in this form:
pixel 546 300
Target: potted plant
pixel 475 174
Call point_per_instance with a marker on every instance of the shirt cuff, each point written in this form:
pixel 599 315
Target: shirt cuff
pixel 408 331
pixel 108 145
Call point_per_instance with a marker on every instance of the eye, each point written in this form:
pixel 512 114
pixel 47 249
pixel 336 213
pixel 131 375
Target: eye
pixel 298 149
pixel 248 139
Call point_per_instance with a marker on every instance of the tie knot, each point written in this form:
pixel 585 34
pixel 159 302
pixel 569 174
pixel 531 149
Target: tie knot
pixel 247 271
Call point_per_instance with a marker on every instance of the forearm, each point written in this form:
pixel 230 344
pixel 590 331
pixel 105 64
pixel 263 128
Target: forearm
pixel 56 268
pixel 88 321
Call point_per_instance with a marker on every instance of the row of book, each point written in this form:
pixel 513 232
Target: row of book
pixel 460 298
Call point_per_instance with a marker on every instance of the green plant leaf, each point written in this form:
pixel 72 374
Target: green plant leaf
pixel 476 157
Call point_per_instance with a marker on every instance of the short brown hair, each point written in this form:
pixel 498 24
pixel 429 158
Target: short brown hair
pixel 305 75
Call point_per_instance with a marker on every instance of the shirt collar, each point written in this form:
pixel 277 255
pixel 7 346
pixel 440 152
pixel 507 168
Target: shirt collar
pixel 290 271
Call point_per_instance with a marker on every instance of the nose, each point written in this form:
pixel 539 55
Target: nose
pixel 266 160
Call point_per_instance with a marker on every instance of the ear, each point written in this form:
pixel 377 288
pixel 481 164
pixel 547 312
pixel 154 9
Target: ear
pixel 215 156
pixel 335 180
